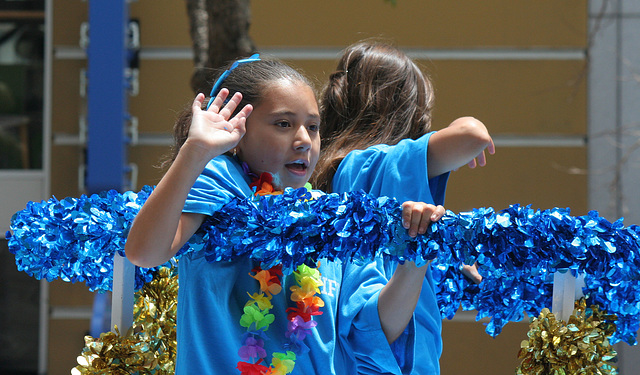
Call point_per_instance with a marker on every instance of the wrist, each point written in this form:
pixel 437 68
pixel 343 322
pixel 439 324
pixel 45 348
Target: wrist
pixel 197 151
pixel 410 271
pixel 194 155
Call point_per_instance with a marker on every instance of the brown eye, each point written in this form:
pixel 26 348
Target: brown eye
pixel 283 124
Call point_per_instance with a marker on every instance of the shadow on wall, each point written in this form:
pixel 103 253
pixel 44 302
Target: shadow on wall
pixel 19 297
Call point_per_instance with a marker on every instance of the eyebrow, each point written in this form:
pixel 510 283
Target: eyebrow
pixel 291 113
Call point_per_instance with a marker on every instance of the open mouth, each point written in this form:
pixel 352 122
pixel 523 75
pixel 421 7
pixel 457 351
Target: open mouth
pixel 298 166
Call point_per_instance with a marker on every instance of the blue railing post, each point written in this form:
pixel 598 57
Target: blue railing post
pixel 107 114
pixel 107 95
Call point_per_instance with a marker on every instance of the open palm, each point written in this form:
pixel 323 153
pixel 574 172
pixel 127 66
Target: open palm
pixel 215 129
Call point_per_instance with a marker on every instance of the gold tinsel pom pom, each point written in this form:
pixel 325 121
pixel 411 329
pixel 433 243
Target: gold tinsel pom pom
pixel 580 346
pixel 149 347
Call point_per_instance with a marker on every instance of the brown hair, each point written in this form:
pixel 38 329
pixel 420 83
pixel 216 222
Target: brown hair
pixel 250 79
pixel 377 95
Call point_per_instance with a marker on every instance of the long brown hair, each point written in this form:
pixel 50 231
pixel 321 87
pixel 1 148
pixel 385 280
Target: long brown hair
pixel 377 95
pixel 250 79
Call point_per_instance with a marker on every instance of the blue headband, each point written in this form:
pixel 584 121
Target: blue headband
pixel 223 76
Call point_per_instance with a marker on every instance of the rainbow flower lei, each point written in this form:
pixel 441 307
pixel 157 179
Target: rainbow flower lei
pixel 257 317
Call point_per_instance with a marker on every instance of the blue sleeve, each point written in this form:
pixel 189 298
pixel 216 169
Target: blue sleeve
pixel 398 171
pixel 360 323
pixel 221 180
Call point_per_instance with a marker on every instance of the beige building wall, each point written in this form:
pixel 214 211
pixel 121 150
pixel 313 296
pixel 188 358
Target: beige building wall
pixel 517 66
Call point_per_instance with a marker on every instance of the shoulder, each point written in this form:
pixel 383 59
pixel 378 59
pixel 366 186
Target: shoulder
pixel 382 150
pixel 220 181
pixel 224 170
pixel 223 164
pixel 406 149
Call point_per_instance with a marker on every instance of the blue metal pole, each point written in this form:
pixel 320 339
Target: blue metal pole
pixel 107 95
pixel 107 113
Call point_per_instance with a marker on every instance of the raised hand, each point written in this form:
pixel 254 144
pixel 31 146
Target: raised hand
pixel 215 130
pixel 464 141
pixel 481 159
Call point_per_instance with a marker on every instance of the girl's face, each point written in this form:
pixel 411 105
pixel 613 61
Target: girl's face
pixel 283 134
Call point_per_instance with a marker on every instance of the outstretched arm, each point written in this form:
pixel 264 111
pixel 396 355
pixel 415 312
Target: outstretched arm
pixel 160 228
pixel 464 141
pixel 399 297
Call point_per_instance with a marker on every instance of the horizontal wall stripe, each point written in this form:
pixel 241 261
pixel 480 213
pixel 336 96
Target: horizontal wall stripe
pixel 521 140
pixel 162 139
pixel 22 174
pixel 322 53
pixel 71 312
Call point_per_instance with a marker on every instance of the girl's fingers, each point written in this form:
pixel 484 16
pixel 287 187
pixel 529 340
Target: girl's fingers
pixel 430 214
pixel 197 102
pixel 239 121
pixel 415 225
pixel 241 126
pixel 417 216
pixel 438 213
pixel 406 214
pixel 218 101
pixel 417 219
pixel 472 273
pixel 482 159
pixel 491 148
pixel 231 106
pixel 424 224
pixel 246 111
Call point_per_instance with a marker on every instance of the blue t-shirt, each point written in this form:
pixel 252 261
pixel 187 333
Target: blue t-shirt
pixel 398 171
pixel 212 295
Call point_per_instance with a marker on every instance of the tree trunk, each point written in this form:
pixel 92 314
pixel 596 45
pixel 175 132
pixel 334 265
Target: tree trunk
pixel 199 30
pixel 220 33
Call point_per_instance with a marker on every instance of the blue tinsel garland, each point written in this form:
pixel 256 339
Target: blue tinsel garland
pixel 75 239
pixel 517 250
